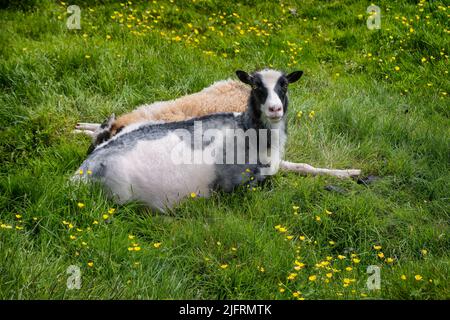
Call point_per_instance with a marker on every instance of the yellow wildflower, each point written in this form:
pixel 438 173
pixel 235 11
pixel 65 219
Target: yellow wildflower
pixel 292 276
pixel 157 245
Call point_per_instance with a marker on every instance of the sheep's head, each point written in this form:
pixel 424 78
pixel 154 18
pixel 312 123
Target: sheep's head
pixel 269 91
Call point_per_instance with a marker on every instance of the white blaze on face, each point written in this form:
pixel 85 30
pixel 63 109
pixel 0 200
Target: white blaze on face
pixel 273 106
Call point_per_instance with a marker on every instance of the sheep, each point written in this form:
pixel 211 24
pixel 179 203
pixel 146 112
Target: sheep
pixel 222 96
pixel 143 162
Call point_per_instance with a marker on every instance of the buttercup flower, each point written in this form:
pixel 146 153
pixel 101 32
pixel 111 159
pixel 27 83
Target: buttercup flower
pixel 157 245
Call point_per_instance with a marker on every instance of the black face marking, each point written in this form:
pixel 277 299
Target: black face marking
pixel 281 89
pixel 259 91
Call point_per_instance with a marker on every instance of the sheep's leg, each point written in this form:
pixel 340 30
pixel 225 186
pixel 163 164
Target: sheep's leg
pixel 305 169
pixel 89 133
pixel 88 129
pixel 87 126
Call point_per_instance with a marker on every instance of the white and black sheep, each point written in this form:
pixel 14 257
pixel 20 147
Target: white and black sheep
pixel 137 164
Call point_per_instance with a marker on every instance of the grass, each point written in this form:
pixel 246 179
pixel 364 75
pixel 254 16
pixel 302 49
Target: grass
pixel 380 102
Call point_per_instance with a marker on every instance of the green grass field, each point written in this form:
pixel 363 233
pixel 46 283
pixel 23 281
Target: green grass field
pixel 380 102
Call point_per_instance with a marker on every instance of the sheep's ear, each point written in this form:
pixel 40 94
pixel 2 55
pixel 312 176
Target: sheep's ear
pixel 294 76
pixel 244 77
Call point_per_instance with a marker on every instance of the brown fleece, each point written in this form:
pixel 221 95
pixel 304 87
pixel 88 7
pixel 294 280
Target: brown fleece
pixel 222 96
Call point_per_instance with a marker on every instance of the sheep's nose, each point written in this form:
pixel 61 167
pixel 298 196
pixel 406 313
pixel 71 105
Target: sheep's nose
pixel 275 108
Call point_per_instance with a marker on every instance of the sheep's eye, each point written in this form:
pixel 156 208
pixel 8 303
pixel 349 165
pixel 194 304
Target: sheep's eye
pixel 254 87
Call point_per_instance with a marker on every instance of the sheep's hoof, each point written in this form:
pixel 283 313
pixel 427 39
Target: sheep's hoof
pixel 367 180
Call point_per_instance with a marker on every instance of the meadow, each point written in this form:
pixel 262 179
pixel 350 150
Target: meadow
pixel 376 100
